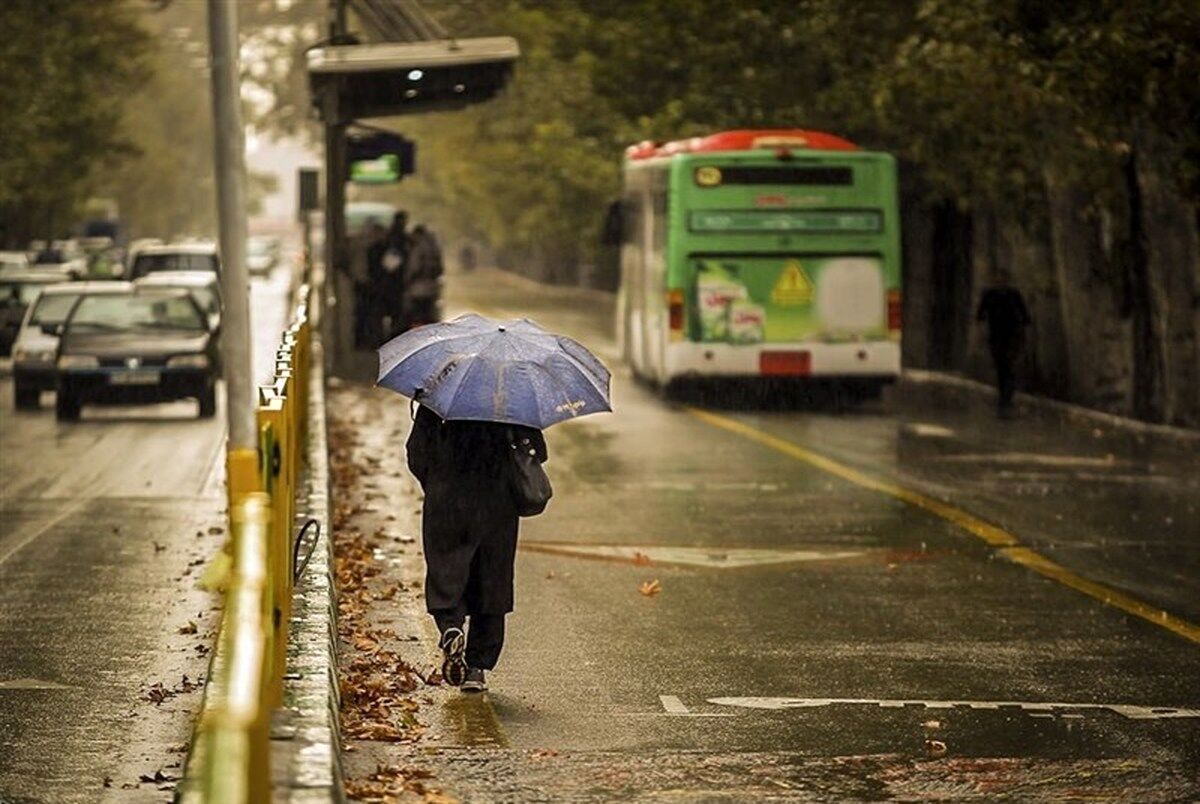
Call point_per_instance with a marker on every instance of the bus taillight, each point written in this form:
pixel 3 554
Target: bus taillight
pixel 893 309
pixel 675 310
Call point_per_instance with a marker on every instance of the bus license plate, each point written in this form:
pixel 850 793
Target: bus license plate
pixel 133 378
pixel 785 364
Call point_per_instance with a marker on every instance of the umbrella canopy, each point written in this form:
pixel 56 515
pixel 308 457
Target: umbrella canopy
pixel 513 372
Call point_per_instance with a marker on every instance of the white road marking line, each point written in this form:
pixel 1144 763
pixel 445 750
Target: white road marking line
pixel 1131 711
pixel 54 520
pixel 673 705
pixel 1040 459
pixel 709 557
pixel 32 684
pixel 929 430
pixel 676 708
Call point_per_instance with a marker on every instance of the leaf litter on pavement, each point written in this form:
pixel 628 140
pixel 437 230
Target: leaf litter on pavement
pixel 379 700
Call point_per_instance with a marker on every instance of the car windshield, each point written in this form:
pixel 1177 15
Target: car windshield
pixel 154 263
pixel 53 309
pixel 120 313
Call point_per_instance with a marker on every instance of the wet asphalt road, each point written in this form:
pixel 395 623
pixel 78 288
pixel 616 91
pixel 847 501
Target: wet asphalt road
pixel 812 632
pixel 104 526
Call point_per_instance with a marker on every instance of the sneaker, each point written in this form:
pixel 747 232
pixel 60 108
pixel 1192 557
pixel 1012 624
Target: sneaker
pixel 475 681
pixel 454 647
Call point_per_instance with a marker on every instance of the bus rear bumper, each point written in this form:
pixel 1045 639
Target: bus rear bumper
pixel 873 359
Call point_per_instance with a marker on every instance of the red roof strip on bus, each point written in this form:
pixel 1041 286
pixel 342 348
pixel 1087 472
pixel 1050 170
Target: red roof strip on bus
pixel 742 140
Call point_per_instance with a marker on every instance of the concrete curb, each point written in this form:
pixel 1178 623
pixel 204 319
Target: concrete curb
pixel 1066 410
pixel 306 752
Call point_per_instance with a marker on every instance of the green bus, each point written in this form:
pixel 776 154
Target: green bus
pixel 760 253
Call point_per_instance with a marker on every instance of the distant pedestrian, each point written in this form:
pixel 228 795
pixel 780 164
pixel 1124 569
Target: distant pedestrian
pixel 388 281
pixel 364 268
pixel 422 278
pixel 466 258
pixel 469 528
pixel 1003 309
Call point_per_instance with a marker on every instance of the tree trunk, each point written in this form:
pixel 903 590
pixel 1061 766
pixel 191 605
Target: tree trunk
pixel 1095 331
pixel 1172 279
pixel 916 279
pixel 952 287
pixel 1147 306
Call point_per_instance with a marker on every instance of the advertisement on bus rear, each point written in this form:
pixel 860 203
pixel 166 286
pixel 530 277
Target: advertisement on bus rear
pixel 788 298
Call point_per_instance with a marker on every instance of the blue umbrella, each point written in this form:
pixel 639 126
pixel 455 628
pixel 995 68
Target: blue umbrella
pixel 513 372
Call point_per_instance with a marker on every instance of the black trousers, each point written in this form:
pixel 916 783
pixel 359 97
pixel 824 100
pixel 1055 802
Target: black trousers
pixel 485 637
pixel 365 335
pixel 1004 356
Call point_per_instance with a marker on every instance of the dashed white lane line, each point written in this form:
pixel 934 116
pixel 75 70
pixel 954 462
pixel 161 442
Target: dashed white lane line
pixel 1037 708
pixel 45 525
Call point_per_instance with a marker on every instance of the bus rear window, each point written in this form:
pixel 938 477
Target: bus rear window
pixel 775 175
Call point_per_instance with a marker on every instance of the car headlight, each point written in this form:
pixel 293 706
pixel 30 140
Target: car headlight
pixel 188 361
pixel 78 362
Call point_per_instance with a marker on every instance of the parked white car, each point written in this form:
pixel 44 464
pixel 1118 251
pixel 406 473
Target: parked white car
pixel 35 350
pixel 197 256
pixel 13 262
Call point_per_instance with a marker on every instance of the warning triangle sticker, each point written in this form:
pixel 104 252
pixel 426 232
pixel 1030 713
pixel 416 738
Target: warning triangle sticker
pixel 793 286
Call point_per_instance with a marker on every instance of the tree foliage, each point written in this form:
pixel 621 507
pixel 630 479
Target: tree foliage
pixel 979 98
pixel 65 66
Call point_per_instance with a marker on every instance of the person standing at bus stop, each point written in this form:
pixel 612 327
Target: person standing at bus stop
pixel 1002 308
pixel 422 278
pixel 387 282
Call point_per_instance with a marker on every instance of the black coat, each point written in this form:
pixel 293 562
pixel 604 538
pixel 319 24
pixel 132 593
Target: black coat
pixel 470 522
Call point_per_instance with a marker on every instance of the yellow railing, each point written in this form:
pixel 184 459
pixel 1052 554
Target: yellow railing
pixel 230 758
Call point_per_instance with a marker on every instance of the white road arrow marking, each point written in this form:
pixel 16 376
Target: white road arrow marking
pixel 1131 711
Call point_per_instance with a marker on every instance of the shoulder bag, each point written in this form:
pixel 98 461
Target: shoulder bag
pixel 530 486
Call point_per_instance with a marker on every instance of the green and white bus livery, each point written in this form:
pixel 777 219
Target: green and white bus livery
pixel 760 253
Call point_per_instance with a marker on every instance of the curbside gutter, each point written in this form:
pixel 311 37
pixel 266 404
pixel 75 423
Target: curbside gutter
pixel 306 750
pixel 1067 410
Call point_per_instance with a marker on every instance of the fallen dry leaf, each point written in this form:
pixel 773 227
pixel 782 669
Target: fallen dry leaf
pixel 650 588
pixel 190 628
pixel 935 748
pixel 640 559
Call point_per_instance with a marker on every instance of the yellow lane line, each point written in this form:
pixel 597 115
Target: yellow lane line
pixel 1008 544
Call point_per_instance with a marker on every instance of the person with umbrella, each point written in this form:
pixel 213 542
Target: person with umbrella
pixel 484 391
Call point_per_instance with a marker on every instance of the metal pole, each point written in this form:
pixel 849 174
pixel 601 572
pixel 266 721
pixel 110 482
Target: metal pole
pixel 335 200
pixel 229 163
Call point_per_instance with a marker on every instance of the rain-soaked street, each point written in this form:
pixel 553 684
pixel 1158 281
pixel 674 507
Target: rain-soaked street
pixel 907 598
pixel 862 339
pixel 104 635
